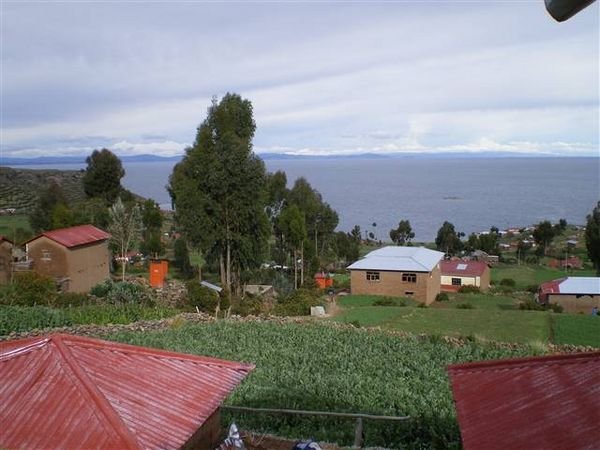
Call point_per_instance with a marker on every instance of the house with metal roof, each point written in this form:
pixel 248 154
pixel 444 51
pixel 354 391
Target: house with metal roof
pixel 77 257
pixel 539 403
pixel 457 273
pixel 574 294
pixel 398 272
pixel 67 392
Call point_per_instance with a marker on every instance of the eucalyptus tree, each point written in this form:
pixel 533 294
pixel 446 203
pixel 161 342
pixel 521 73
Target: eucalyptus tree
pixel 218 190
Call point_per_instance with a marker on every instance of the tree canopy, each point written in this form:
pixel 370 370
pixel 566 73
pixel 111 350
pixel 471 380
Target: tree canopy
pixel 403 234
pixel 448 240
pixel 218 190
pixel 103 175
pixel 543 234
pixel 592 237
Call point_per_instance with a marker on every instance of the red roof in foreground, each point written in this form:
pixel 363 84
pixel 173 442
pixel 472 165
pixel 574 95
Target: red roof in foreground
pixel 550 402
pixel 74 236
pixel 463 268
pixel 63 391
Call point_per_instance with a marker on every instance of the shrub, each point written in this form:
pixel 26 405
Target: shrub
pixel 469 289
pixel 341 283
pixel 442 297
pixel 69 299
pixel 355 324
pixel 533 288
pixel 508 282
pixel 128 293
pixel 422 305
pixel 30 288
pixel 389 301
pixel 530 305
pixel 201 297
pixel 465 306
pixel 555 307
pixel 249 305
pixel 102 289
pixel 298 303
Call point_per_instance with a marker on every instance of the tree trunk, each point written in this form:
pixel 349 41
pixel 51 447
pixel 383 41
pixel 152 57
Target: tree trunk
pixel 302 264
pixel 295 270
pixel 228 265
pixel 222 270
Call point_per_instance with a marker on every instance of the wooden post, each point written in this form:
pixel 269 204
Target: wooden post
pixel 358 433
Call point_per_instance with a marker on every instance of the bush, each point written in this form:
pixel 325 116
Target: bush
pixel 389 301
pixel 469 289
pixel 29 289
pixel 298 303
pixel 422 305
pixel 102 289
pixel 249 305
pixel 69 299
pixel 555 307
pixel 442 297
pixel 128 293
pixel 201 297
pixel 533 288
pixel 530 305
pixel 508 282
pixel 465 306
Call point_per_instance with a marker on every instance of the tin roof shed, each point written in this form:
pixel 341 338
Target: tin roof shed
pixel 548 402
pixel 64 391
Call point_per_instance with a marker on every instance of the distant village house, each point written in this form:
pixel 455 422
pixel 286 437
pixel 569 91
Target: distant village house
pixel 457 273
pixel 398 272
pixel 574 294
pixel 77 257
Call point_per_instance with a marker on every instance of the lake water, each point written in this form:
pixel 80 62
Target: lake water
pixel 472 193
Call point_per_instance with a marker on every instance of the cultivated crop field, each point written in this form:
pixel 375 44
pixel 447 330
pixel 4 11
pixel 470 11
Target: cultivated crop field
pixel 322 367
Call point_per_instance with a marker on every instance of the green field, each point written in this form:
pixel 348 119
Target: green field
pixel 9 226
pixel 492 317
pixel 528 275
pixel 576 329
pixel 319 367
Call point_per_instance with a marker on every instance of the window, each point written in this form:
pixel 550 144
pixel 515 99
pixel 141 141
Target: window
pixel 372 276
pixel 409 293
pixel 456 282
pixel 46 255
pixel 409 277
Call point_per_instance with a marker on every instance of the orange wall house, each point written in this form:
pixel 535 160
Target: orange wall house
pixel 77 257
pixel 457 273
pixel 398 272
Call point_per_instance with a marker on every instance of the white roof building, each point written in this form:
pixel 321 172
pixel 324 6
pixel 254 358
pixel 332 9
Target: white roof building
pixel 580 286
pixel 404 259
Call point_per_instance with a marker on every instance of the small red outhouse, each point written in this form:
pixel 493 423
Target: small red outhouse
pixel 159 270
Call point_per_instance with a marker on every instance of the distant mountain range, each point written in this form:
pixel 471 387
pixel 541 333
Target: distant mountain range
pixel 49 160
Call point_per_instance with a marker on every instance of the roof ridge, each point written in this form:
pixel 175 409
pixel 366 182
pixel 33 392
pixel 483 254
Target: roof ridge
pixel 97 397
pixel 160 353
pixel 537 361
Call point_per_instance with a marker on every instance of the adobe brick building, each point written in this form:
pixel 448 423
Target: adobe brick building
pixel 457 273
pixel 574 294
pixel 398 272
pixel 77 257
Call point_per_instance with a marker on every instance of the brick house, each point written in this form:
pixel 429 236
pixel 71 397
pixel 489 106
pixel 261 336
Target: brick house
pixel 6 247
pixel 399 272
pixel 574 294
pixel 77 257
pixel 457 273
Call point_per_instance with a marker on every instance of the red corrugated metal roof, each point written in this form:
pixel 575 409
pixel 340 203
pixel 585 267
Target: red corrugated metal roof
pixel 468 268
pixel 65 391
pixel 75 236
pixel 548 403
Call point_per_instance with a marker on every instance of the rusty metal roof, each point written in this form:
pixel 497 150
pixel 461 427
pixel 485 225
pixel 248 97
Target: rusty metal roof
pixel 64 391
pixel 75 236
pixel 463 268
pixel 548 402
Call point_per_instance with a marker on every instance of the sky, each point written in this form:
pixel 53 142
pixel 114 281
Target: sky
pixel 324 78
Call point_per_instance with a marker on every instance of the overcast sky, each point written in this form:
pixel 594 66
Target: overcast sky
pixel 323 77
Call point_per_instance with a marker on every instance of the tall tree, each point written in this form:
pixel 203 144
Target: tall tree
pixel 592 237
pixel 543 234
pixel 448 240
pixel 218 191
pixel 41 217
pixel 124 227
pixel 103 175
pixel 403 234
pixel 293 227
pixel 152 220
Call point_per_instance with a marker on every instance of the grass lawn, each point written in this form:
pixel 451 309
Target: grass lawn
pixel 576 329
pixel 492 317
pixel 527 275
